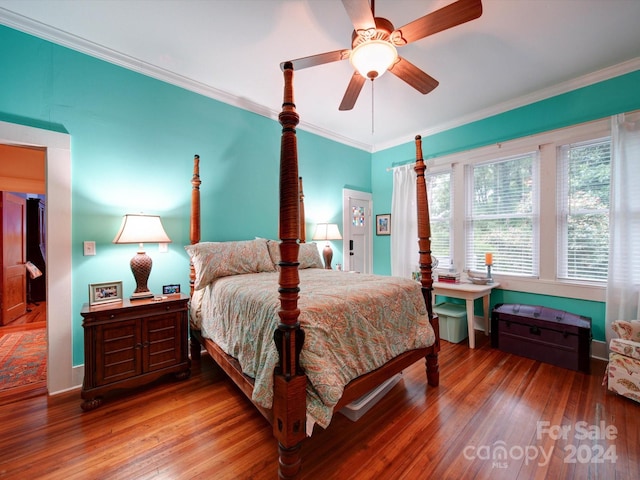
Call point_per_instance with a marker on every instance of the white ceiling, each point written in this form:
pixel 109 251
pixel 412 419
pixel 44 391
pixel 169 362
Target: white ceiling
pixel 517 52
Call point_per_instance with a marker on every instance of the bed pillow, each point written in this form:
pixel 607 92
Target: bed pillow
pixel 221 259
pixel 308 255
pixel 274 252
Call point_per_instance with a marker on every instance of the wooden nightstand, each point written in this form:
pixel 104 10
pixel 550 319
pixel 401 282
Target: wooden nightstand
pixel 130 343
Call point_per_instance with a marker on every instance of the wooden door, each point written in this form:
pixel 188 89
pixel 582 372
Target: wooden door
pixel 14 278
pixel 357 226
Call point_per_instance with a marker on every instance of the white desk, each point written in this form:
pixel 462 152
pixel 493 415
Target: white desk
pixel 468 292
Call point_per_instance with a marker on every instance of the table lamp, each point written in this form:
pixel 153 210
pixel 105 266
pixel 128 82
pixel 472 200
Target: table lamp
pixel 140 228
pixel 327 231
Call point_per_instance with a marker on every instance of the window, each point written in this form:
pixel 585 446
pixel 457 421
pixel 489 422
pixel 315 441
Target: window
pixel 502 215
pixel 440 192
pixel 584 174
pixel 539 204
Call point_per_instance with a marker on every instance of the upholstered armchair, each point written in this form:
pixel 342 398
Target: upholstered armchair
pixel 623 371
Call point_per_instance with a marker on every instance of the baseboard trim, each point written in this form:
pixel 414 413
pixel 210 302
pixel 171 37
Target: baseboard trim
pixel 599 350
pixel 77 377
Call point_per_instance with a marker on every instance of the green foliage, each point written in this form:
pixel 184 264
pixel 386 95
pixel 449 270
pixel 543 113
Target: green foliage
pixel 589 167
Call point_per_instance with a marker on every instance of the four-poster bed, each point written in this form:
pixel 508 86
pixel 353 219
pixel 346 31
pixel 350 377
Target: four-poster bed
pixel 284 376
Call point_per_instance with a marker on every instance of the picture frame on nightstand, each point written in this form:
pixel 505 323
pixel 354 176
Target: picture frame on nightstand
pixel 170 289
pixel 107 292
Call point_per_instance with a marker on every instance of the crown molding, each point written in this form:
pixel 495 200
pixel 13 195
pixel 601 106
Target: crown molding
pixel 101 52
pixel 74 42
pixel 79 44
pixel 555 90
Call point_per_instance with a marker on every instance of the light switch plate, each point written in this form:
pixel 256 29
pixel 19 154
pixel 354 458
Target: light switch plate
pixel 89 248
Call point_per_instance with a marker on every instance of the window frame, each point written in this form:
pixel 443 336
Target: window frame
pixel 562 268
pixel 547 281
pixel 533 216
pixel 443 262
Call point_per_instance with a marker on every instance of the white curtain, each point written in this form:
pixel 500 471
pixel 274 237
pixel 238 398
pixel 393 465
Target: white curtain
pixel 624 222
pixel 404 224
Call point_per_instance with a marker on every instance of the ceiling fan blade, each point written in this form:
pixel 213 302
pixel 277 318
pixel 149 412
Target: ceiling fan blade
pixel 319 59
pixel 353 90
pixel 408 72
pixel 360 14
pixel 454 14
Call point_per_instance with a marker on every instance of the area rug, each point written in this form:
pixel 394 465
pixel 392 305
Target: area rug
pixel 23 358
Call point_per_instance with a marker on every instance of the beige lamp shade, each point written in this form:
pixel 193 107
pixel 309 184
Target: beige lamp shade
pixel 327 231
pixel 141 229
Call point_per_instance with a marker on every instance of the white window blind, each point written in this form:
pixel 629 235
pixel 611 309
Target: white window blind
pixel 440 192
pixel 583 210
pixel 502 215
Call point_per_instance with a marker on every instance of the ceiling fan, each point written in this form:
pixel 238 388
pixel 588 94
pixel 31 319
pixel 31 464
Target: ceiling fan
pixel 374 43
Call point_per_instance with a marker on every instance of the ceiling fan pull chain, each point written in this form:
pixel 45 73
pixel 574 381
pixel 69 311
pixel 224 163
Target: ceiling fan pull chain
pixel 372 115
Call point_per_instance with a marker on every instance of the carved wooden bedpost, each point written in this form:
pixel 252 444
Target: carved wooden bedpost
pixel 194 236
pixel 303 227
pixel 194 231
pixel 290 382
pixel 424 248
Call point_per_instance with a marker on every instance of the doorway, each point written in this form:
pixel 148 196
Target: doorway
pixel 358 231
pixel 58 190
pixel 23 339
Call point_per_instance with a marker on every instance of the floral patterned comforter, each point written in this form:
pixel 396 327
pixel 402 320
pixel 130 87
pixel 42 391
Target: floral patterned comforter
pixel 354 323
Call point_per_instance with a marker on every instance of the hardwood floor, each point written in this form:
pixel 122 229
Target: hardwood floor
pixel 36 317
pixel 204 428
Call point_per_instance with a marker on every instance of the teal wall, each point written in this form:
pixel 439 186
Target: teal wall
pixel 133 139
pixel 132 144
pixel 620 94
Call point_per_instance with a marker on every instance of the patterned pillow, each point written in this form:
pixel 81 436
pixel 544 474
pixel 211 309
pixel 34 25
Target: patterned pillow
pixel 308 255
pixel 627 329
pixel 274 252
pixel 221 259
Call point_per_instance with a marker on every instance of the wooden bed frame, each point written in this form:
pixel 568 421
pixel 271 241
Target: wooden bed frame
pixel 288 414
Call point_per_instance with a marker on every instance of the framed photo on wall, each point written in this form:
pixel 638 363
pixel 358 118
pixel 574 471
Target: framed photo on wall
pixel 383 224
pixel 108 292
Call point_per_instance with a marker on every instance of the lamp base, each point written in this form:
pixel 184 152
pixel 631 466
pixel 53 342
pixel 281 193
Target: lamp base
pixel 327 253
pixel 141 268
pixel 141 295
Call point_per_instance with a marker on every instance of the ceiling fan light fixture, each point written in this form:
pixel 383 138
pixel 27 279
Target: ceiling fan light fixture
pixel 374 57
